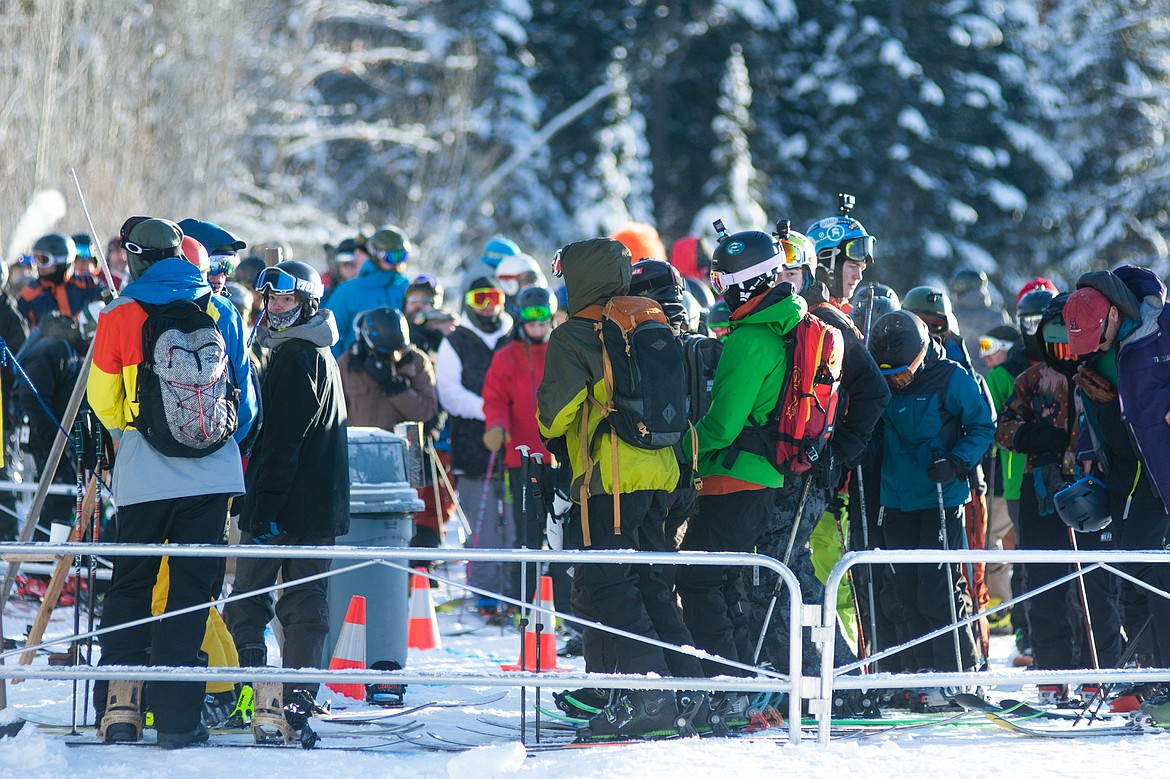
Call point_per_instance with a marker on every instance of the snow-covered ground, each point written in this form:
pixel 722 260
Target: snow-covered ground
pixel 963 749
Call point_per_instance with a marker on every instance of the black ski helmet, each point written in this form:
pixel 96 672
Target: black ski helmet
pixel 659 281
pixel 54 249
pixel 744 265
pixel 293 277
pixel 898 342
pixel 536 304
pixel 884 298
pixel 1084 505
pixel 382 330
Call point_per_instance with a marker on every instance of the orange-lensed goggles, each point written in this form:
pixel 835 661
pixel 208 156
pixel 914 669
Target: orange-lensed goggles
pixel 487 297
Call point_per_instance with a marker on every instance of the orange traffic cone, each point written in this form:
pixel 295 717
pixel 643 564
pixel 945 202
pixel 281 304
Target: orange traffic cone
pixel 548 636
pixel 422 630
pixel 351 648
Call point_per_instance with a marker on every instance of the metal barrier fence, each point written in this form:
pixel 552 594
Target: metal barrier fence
pixel 765 681
pixel 839 678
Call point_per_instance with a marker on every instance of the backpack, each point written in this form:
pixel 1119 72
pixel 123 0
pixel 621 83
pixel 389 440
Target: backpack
pixel 187 406
pixel 701 356
pixel 645 383
pixel 799 427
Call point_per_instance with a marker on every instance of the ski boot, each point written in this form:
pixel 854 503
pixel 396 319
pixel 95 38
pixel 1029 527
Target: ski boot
pixel 385 693
pixel 583 703
pixel 694 713
pixel 1131 698
pixel 856 704
pixel 934 700
pixel 122 720
pixel 1053 695
pixel 1154 711
pixel 269 725
pixel 638 714
pixel 734 711
pixel 241 715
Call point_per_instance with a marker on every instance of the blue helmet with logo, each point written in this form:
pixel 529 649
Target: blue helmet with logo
pixel 839 239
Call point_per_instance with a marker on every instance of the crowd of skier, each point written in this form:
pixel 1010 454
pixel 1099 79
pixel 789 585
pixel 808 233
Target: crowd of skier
pixel 751 392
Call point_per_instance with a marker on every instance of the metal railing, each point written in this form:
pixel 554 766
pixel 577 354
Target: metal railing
pixel 839 678
pixel 765 681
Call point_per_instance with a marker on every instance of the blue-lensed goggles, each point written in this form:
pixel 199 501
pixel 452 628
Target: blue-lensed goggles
pixel 281 282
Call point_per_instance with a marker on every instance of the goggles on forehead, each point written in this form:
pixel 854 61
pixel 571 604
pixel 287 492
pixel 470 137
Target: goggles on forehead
pixel 221 265
pixel 793 256
pixel 989 346
pixel 488 297
pixel 535 313
pixel 721 281
pixel 279 281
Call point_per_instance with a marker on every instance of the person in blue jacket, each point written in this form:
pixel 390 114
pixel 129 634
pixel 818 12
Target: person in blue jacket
pixel 937 427
pixel 380 282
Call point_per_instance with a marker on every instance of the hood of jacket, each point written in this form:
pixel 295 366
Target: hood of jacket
pixel 779 307
pixel 1125 293
pixel 978 297
pixel 319 330
pixel 595 271
pixel 167 280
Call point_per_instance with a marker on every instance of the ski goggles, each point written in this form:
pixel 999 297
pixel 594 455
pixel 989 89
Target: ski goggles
pixel 937 325
pixel 722 281
pixel 393 257
pixel 1029 323
pixel 420 301
pixel 792 256
pixel 280 282
pixel 900 377
pixel 854 250
pixel 221 265
pixel 528 278
pixel 989 346
pixel 481 299
pixel 46 261
pixel 535 314
pixel 555 265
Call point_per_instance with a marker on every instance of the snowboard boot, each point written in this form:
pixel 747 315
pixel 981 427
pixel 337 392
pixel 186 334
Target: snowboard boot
pixel 637 714
pixel 241 715
pixel 269 725
pixel 122 720
pixel 385 693
pixel 218 707
pixel 582 703
pixel 196 735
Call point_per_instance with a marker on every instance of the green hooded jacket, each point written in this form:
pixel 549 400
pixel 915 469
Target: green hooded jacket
pixel 748 382
pixel 594 271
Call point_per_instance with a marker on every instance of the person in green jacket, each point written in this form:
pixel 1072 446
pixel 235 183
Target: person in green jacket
pixel 739 487
pixel 632 598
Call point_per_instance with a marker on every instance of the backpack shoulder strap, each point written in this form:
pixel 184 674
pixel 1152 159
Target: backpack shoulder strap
pixel 593 313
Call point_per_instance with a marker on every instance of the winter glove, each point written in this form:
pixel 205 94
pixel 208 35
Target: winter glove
pixel 1093 384
pixel 494 438
pixel 265 536
pixel 1040 438
pixel 394 385
pixel 945 468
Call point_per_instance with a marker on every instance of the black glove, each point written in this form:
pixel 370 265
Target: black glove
pixel 1040 438
pixel 945 469
pixel 394 384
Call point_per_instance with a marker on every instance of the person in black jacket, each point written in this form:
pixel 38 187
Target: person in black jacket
pixel 298 477
pixel 13 330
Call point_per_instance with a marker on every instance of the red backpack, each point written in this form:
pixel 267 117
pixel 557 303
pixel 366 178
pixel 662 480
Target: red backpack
pixel 799 427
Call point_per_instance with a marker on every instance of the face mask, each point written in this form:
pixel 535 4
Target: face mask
pixel 285 320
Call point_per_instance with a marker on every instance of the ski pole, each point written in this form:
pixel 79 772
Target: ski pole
pixel 1072 539
pixel 780 582
pixel 873 636
pixel 1103 690
pixel 946 545
pixel 97 244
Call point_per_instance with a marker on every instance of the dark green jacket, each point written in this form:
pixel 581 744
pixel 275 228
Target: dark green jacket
pixel 594 271
pixel 748 383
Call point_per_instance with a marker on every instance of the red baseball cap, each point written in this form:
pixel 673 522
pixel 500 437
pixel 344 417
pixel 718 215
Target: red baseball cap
pixel 1084 313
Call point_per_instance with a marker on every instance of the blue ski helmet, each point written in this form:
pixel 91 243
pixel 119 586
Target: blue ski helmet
pixel 837 239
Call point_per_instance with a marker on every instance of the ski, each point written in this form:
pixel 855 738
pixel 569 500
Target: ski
pixel 373 717
pixel 1012 709
pixel 379 741
pixel 1132 729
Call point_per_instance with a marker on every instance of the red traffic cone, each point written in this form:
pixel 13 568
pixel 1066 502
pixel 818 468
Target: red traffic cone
pixel 548 636
pixel 422 631
pixel 351 648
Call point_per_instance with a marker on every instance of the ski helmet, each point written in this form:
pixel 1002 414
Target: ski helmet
pixel 1050 340
pixel 292 277
pixel 1031 307
pixel 884 299
pixel 196 253
pixel 84 245
pixel 389 244
pixel 898 342
pixel 719 315
pixel 934 307
pixel 661 282
pixel 497 249
pixel 536 304
pixel 54 249
pixel 1084 505
pixel 382 330
pixel 148 240
pixel 694 313
pixel 965 280
pixel 426 284
pixel 799 253
pixel 517 272
pixel 838 239
pixel 744 265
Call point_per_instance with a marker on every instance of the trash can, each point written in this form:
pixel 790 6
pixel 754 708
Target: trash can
pixel 382 505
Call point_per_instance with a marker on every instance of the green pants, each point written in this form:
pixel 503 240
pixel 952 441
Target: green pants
pixel 825 546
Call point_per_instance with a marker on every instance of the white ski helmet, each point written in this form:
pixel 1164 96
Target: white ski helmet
pixel 517 272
